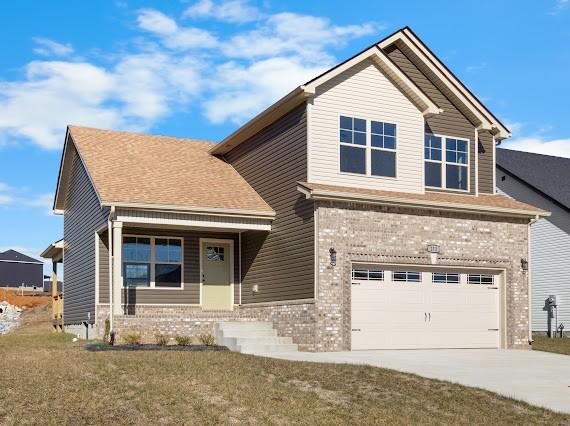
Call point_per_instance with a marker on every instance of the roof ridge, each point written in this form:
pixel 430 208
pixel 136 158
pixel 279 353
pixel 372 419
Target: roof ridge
pixel 126 132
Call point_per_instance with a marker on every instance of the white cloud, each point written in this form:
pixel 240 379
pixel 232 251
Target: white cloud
pixel 233 11
pixel 42 201
pixel 538 145
pixel 250 88
pixel 559 7
pixel 290 33
pixel 47 47
pixel 169 67
pixel 173 36
pixel 5 198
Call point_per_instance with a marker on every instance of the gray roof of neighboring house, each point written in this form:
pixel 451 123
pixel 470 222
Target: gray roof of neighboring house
pixel 547 174
pixel 15 256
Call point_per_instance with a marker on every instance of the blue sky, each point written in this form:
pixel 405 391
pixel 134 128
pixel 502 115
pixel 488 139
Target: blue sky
pixel 199 69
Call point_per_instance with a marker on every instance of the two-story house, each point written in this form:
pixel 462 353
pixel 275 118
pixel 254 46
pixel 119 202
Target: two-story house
pixel 357 212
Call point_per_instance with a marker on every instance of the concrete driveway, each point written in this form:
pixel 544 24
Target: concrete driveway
pixel 539 378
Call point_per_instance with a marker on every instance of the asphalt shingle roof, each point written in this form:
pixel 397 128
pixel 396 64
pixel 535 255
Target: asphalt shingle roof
pixel 148 169
pixel 15 256
pixel 548 174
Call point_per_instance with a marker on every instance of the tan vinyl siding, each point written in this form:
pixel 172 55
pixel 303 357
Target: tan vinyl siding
pixel 281 262
pixel 486 164
pixel 104 267
pixel 451 122
pixel 83 217
pixel 191 292
pixel 365 92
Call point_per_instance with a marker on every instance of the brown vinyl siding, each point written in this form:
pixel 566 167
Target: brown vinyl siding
pixel 104 267
pixel 83 217
pixel 280 262
pixel 191 292
pixel 486 164
pixel 451 122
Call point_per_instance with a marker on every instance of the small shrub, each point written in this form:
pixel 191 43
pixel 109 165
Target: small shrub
pixel 161 339
pixel 107 330
pixel 133 338
pixel 183 340
pixel 207 339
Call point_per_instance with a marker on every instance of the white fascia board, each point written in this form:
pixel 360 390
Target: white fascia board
pixel 193 221
pixel 209 211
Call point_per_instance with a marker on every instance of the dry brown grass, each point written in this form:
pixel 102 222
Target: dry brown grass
pixel 47 379
pixel 557 345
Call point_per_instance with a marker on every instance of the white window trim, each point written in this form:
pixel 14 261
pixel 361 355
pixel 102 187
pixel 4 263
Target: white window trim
pixel 444 162
pixel 367 148
pixel 153 262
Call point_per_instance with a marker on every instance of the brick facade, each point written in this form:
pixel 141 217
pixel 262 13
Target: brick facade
pixel 363 233
pixel 392 235
pixel 295 319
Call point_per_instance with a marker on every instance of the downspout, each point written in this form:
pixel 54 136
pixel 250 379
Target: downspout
pixel 529 277
pixel 110 242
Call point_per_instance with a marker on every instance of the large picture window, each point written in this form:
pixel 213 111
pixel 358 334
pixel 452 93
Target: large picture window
pixel 367 147
pixel 152 262
pixel 446 162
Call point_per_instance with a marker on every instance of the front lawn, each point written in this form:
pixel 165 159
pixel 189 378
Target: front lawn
pixel 556 345
pixel 47 379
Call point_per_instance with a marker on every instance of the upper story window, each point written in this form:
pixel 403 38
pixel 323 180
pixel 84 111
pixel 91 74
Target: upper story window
pixel 446 162
pixel 367 147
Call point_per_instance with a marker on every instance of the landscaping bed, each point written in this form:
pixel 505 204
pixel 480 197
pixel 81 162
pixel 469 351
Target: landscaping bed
pixel 557 345
pixel 101 347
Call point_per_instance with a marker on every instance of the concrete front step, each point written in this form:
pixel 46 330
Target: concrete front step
pixel 252 337
pixel 257 349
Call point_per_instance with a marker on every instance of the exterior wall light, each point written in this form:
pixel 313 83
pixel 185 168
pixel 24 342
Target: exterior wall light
pixel 524 264
pixel 332 253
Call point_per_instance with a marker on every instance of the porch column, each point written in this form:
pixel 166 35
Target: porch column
pixel 54 279
pixel 117 267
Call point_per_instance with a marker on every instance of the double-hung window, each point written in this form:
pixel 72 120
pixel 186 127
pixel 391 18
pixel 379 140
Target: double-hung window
pixel 383 149
pixel 353 145
pixel 367 147
pixel 446 162
pixel 152 262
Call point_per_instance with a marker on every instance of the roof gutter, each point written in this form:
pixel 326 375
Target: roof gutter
pixel 207 211
pixel 317 194
pixel 263 119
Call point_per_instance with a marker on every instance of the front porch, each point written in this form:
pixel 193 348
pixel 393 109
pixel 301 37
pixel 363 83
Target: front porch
pixel 180 274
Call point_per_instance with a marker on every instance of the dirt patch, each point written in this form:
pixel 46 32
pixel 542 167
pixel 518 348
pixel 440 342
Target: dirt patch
pixel 323 394
pixel 29 299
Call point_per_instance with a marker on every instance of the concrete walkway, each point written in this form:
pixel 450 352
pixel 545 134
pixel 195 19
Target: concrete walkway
pixel 539 378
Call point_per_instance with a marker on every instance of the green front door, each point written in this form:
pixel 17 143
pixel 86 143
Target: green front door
pixel 216 274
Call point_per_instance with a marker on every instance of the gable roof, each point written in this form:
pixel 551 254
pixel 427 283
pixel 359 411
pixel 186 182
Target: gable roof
pixel 489 204
pixel 157 172
pixel 16 256
pixel 545 173
pixel 460 94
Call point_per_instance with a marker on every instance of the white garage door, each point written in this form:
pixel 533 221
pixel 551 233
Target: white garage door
pixel 411 308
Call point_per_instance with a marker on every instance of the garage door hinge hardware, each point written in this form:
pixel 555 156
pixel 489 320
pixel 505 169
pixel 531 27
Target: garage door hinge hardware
pixel 356 329
pixel 493 329
pixel 493 288
pixel 355 283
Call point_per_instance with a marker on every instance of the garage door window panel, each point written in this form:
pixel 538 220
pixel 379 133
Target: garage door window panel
pixel 480 279
pixel 410 277
pixel 365 274
pixel 445 278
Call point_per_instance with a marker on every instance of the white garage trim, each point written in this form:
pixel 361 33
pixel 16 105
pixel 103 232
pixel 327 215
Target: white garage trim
pixel 388 312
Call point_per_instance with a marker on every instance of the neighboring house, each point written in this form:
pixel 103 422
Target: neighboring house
pixel 543 181
pixel 323 215
pixel 19 270
pixel 48 284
